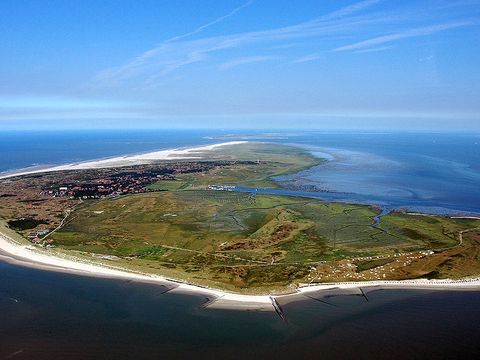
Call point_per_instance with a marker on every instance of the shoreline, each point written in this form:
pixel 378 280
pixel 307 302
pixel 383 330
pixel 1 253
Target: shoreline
pixel 16 253
pixel 21 253
pixel 123 160
pixel 189 153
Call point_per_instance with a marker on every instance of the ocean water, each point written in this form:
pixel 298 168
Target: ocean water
pixel 46 315
pixel 429 172
pixel 23 149
pixel 433 173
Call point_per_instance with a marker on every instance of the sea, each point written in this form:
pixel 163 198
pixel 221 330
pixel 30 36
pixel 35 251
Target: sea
pixel 427 172
pixel 53 315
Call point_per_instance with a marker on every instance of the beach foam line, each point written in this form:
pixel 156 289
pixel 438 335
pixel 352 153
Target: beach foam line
pixel 128 160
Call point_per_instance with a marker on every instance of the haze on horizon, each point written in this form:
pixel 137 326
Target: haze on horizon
pixel 240 63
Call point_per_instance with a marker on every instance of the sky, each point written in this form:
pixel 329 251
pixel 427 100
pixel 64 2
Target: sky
pixel 240 63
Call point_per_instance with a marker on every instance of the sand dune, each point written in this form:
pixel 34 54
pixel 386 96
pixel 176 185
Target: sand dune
pixel 127 160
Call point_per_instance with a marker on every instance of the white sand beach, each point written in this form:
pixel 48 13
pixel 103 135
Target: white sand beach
pixel 23 254
pixel 15 252
pixel 127 160
pixel 473 282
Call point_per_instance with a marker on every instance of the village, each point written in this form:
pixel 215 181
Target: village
pixel 46 199
pixel 133 181
pixel 118 184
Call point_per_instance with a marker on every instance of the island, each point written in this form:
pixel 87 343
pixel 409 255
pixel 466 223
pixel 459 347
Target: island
pixel 198 217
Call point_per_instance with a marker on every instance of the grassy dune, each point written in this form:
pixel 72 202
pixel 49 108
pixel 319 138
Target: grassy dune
pixel 239 241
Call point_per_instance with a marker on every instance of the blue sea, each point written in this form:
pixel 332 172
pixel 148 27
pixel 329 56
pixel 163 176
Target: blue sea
pixel 432 173
pixel 51 315
pixel 428 172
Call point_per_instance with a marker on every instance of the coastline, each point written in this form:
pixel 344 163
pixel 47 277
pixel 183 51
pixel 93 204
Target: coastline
pixel 124 160
pixel 21 253
pixel 17 253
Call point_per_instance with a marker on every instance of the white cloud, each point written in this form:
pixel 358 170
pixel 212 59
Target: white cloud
pixel 426 58
pixel 171 55
pixel 422 31
pixel 145 70
pixel 211 23
pixel 374 49
pixel 243 61
pixel 307 58
pixel 350 9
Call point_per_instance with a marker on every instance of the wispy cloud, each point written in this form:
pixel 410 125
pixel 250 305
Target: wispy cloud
pixel 351 9
pixel 243 61
pixel 173 54
pixel 145 70
pixel 426 58
pixel 307 58
pixel 374 49
pixel 422 31
pixel 211 23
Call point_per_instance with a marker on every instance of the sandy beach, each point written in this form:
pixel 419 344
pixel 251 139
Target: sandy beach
pixel 15 252
pixel 19 253
pixel 127 160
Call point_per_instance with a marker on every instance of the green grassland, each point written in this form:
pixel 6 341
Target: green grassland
pixel 270 160
pixel 262 243
pixel 169 185
pixel 238 241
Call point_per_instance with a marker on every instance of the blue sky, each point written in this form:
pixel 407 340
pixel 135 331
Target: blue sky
pixel 246 63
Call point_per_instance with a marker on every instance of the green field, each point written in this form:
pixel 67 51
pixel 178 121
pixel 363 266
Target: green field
pixel 169 185
pixel 269 160
pixel 264 243
pixel 240 241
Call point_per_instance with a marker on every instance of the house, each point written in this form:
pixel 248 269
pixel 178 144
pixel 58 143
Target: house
pixel 42 232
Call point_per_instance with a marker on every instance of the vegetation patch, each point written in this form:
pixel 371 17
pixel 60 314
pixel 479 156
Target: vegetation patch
pixel 370 264
pixel 235 241
pixel 26 223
